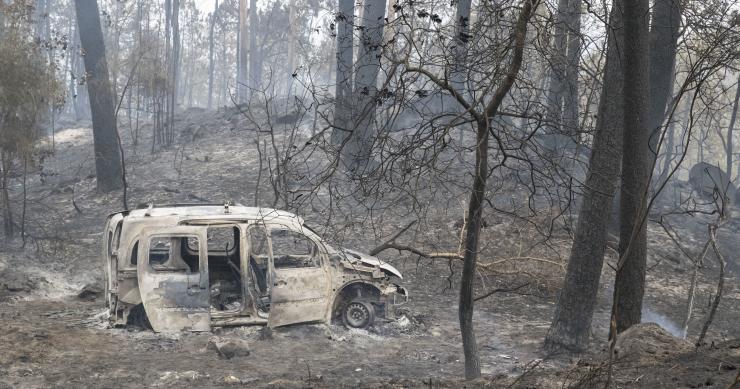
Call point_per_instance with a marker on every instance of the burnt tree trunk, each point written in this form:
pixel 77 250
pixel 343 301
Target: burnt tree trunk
pixel 107 152
pixel 671 141
pixel 570 92
pixel 571 324
pixel 210 55
pixel 255 55
pixel 462 36
pixel 174 68
pixel 5 165
pixel 478 193
pixel 730 130
pixel 457 74
pixel 554 95
pixel 475 210
pixel 291 46
pixel 562 94
pixel 357 150
pixel 242 59
pixel 666 20
pixel 629 284
pixel 343 92
pixel 73 75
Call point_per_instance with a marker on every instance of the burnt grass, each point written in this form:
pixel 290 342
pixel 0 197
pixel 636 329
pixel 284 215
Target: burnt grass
pixel 51 338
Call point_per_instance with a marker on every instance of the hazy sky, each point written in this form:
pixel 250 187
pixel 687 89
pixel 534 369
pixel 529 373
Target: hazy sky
pixel 205 5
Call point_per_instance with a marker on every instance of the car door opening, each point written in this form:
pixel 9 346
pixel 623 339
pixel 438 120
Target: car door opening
pixel 224 270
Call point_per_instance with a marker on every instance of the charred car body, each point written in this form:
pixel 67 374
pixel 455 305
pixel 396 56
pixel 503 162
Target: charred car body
pixel 194 267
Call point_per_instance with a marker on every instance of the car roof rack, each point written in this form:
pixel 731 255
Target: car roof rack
pixel 179 205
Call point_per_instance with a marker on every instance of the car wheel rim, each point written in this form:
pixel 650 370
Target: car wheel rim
pixel 357 315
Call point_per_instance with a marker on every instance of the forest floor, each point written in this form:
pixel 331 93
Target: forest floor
pixel 52 338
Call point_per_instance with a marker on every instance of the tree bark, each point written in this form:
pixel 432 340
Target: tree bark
pixel 291 46
pixel 571 324
pixel 629 284
pixel 475 209
pixel 666 20
pixel 8 224
pixel 730 130
pixel 222 98
pixel 210 55
pixel 345 58
pixel 255 55
pixel 570 93
pixel 107 153
pixel 174 71
pixel 73 60
pixel 670 146
pixel 242 55
pixel 555 88
pixel 477 195
pixel 457 74
pixel 357 150
pixel 462 36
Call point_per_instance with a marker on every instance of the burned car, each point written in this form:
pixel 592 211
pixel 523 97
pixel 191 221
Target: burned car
pixel 193 267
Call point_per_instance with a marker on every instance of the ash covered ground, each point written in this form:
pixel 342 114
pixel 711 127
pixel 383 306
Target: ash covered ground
pixel 52 338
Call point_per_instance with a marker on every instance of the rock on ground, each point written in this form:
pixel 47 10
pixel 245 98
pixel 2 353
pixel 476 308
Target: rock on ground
pixel 228 348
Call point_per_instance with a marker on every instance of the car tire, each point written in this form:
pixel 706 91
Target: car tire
pixel 358 314
pixel 137 318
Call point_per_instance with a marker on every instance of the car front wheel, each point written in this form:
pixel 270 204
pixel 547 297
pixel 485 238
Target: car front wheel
pixel 358 314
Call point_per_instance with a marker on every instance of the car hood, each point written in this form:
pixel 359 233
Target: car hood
pixel 354 256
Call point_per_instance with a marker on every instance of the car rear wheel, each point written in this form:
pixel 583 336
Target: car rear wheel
pixel 358 314
pixel 137 318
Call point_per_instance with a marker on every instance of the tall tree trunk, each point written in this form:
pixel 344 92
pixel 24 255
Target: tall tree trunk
pixel 730 129
pixel 570 93
pixel 210 55
pixel 475 210
pixel 357 151
pixel 225 77
pixel 393 28
pixel 38 18
pixel 113 28
pixel 629 284
pixel 291 46
pixel 174 71
pixel 74 59
pixel 345 59
pixel 8 224
pixel 666 20
pixel 557 75
pixel 462 36
pixel 571 324
pixel 671 141
pixel 107 153
pixel 478 194
pixel 138 85
pixel 164 130
pixel 242 55
pixel 188 86
pixel 255 55
pixel 67 70
pixel 457 73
